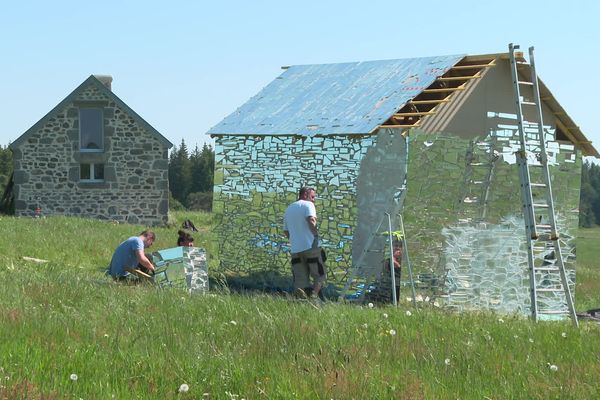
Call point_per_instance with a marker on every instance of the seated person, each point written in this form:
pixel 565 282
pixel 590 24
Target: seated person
pixel 129 254
pixel 185 239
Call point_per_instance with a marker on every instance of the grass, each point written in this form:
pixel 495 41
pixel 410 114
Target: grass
pixel 83 244
pixel 64 317
pixel 587 291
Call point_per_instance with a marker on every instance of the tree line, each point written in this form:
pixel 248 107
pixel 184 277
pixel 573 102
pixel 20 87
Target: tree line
pixel 6 166
pixel 589 203
pixel 191 177
pixel 191 181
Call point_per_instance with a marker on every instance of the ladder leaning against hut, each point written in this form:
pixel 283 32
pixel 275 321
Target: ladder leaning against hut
pixel 549 287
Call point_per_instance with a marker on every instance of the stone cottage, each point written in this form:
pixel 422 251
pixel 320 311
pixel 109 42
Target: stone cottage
pixel 92 156
pixel 430 139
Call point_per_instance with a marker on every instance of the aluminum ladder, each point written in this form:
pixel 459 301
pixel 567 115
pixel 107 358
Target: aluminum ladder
pixel 370 272
pixel 550 293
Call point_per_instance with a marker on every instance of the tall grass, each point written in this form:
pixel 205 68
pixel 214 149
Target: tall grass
pixel 85 244
pixel 587 291
pixel 64 318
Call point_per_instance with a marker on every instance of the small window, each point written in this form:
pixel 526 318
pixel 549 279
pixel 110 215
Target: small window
pixel 91 129
pixel 91 172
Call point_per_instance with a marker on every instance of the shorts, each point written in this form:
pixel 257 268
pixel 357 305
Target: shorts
pixel 306 264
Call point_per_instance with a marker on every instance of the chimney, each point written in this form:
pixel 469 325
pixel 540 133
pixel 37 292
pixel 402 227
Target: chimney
pixel 105 79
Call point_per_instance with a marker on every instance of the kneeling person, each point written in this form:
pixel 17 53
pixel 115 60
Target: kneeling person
pixel 130 254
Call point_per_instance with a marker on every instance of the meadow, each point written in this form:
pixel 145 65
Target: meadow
pixel 68 332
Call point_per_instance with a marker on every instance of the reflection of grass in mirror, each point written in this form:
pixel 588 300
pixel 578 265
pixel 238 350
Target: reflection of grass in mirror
pixel 438 178
pixel 172 275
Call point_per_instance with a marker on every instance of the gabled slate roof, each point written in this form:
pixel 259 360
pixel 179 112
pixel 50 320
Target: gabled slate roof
pixel 331 99
pixel 92 80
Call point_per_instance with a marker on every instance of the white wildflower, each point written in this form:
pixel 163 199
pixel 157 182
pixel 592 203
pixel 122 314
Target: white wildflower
pixel 183 388
pixel 552 367
pixel 365 326
pixel 392 332
pixel 564 334
pixel 73 377
pixel 408 313
pixel 106 335
pixel 371 305
pixel 500 320
pixel 447 361
pixel 385 315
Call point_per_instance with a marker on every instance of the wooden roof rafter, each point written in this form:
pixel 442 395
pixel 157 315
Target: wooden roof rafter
pixel 439 92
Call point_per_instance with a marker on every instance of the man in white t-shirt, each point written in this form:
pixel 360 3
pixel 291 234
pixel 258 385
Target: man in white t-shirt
pixel 300 227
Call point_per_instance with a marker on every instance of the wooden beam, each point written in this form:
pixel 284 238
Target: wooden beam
pixel 458 78
pixel 446 100
pixel 443 90
pixel 518 56
pixel 413 114
pixel 140 274
pixel 479 66
pixel 484 57
pixel 398 126
pixel 566 131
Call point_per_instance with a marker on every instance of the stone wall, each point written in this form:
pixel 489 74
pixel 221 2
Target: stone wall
pixel 135 186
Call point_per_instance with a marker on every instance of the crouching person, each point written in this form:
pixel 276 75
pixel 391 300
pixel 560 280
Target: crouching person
pixel 129 257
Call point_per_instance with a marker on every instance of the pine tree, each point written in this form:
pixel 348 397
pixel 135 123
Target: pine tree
pixel 588 196
pixel 207 158
pixel 197 172
pixel 589 204
pixel 6 167
pixel 180 173
pixel 594 171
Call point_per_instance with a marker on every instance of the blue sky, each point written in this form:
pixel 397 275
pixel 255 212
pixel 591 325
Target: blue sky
pixel 185 65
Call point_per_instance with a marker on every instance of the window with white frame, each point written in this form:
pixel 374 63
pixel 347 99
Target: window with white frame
pixel 91 172
pixel 91 129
